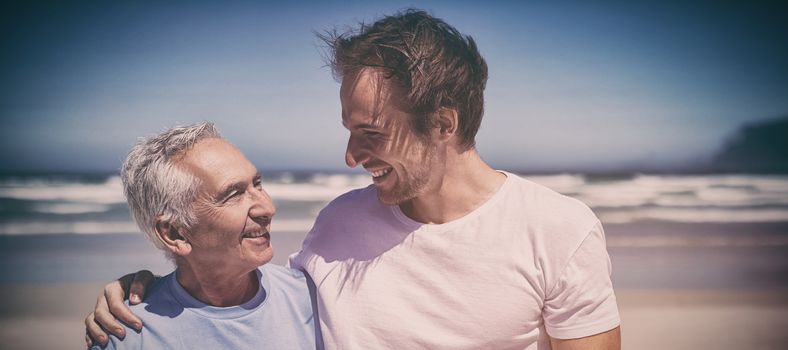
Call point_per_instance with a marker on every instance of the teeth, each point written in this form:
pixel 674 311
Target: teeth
pixel 380 173
pixel 255 234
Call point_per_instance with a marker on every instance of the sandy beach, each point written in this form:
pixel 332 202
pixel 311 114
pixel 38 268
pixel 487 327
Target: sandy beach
pixel 703 319
pixel 50 317
pixel 688 293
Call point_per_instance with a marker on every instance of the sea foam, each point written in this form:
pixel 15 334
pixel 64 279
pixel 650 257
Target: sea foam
pixel 46 205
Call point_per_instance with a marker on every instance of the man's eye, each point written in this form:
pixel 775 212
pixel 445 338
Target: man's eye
pixel 258 184
pixel 232 195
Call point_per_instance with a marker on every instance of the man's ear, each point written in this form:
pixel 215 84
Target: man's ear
pixel 446 121
pixel 170 235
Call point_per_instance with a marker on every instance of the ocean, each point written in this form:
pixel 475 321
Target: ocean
pixel 689 253
pixel 76 227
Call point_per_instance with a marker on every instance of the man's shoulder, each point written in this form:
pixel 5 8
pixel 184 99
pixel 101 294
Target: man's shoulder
pixel 546 201
pixel 359 205
pixel 549 217
pixel 354 198
pixel 288 287
pixel 351 223
pixel 159 299
pixel 284 277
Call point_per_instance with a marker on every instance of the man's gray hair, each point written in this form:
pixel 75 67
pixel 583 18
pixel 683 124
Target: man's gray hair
pixel 155 186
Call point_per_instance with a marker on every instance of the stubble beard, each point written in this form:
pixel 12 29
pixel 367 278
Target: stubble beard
pixel 411 182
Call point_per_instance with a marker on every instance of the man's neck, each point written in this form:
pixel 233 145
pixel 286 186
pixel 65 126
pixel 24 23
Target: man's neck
pixel 217 287
pixel 466 183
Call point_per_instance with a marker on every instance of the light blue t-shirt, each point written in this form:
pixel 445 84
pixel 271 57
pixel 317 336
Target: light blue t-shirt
pixel 279 316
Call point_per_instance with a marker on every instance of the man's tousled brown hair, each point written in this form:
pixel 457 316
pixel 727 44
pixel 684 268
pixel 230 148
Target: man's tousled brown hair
pixel 428 61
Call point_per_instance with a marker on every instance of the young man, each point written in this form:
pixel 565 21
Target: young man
pixel 202 202
pixel 443 251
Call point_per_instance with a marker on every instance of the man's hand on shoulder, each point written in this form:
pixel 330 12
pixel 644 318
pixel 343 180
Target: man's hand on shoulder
pixel 110 305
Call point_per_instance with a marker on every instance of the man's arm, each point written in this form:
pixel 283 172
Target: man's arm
pixel 110 305
pixel 581 311
pixel 610 340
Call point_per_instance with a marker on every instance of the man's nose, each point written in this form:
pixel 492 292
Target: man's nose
pixel 263 206
pixel 353 153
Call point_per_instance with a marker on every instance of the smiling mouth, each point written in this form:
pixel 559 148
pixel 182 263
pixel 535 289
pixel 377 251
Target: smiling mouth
pixel 379 173
pixel 257 234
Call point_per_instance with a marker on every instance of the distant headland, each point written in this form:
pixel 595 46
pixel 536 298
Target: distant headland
pixel 760 147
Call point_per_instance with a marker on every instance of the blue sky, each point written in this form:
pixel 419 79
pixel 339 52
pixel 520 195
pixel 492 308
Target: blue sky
pixel 572 85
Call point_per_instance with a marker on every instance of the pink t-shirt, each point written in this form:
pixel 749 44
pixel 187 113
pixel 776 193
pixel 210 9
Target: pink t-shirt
pixel 527 263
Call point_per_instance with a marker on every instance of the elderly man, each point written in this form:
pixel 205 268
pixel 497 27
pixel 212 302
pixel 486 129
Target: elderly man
pixel 442 251
pixel 202 202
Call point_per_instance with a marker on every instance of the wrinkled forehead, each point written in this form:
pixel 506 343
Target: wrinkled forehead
pixel 212 159
pixel 207 152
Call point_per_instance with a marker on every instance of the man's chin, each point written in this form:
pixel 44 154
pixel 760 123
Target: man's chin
pixel 263 259
pixel 261 255
pixel 388 201
pixel 389 197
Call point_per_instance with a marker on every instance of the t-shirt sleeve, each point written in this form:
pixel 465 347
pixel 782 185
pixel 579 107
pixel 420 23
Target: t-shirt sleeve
pixel 582 302
pixel 294 261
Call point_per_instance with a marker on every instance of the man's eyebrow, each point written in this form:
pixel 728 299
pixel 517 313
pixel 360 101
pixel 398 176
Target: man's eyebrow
pixel 235 186
pixel 228 189
pixel 359 126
